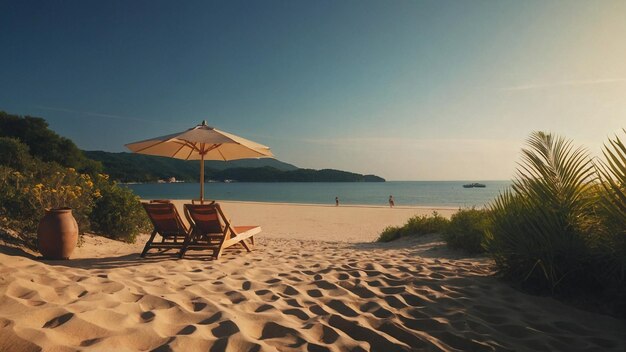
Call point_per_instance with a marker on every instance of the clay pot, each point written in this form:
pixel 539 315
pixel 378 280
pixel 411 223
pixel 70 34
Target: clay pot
pixel 57 234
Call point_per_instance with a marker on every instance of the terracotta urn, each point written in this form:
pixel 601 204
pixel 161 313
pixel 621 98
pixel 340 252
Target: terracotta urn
pixel 57 234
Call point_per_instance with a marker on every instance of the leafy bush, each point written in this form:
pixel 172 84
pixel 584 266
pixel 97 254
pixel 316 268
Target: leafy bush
pixel 117 212
pixel 425 224
pixel 103 207
pixel 390 233
pixel 467 230
pixel 32 180
pixel 14 154
pixel 416 226
pixel 52 186
pixel 547 232
pixel 18 210
pixel 27 194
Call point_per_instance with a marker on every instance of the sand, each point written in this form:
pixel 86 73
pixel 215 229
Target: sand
pixel 314 282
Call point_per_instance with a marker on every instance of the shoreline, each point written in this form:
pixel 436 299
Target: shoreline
pixel 372 206
pixel 407 194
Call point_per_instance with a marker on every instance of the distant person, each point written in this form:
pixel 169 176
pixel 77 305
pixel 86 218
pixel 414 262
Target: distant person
pixel 336 201
pixel 391 202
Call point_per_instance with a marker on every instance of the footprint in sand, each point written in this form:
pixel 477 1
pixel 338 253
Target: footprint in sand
pixel 267 295
pixel 394 302
pixel 427 324
pixel 147 316
pixel 358 289
pixel 235 297
pixel 58 321
pixel 318 310
pixel 325 285
pixel 90 342
pixel 403 335
pixel 314 293
pixel 264 307
pixel 376 310
pixel 225 328
pixel 187 330
pixel 212 319
pixel 358 332
pixel 289 290
pixel 392 290
pixel 297 313
pixel 198 306
pixel 342 308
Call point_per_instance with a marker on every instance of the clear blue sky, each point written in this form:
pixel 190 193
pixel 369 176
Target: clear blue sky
pixel 409 90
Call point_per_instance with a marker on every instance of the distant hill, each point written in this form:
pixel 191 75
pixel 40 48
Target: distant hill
pixel 268 174
pixel 31 136
pixel 130 167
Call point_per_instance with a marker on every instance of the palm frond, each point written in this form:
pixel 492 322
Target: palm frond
pixel 538 228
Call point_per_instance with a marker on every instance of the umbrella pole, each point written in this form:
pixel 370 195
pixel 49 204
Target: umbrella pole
pixel 202 179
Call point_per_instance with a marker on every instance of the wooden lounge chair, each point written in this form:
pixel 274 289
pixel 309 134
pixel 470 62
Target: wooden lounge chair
pixel 210 229
pixel 167 223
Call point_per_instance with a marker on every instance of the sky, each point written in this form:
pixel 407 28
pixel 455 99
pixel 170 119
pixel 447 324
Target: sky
pixel 407 90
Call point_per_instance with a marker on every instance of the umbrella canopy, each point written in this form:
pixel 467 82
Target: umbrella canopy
pixel 201 143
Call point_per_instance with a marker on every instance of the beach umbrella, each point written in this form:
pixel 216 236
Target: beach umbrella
pixel 201 143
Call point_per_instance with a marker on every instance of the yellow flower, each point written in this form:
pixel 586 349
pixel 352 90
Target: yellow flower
pixel 89 184
pixel 39 185
pixel 71 169
pixel 97 194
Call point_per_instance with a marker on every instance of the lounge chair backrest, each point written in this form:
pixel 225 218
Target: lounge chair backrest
pixel 165 218
pixel 206 217
pixel 162 201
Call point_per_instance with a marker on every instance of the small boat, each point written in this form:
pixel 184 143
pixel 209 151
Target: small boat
pixel 474 185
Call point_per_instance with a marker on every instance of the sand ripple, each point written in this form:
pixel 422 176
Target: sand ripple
pixel 287 295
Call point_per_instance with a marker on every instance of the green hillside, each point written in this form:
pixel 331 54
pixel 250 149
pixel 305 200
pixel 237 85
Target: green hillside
pixel 26 135
pixel 43 143
pixel 130 167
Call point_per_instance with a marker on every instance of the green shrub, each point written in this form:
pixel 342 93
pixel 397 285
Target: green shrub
pixel 425 224
pixel 467 230
pixel 546 231
pixel 27 194
pixel 389 234
pixel 416 226
pixel 18 211
pixel 117 212
pixel 99 206
pixel 14 154
pixel 32 180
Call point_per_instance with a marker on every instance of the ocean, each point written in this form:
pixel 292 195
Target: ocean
pixel 405 193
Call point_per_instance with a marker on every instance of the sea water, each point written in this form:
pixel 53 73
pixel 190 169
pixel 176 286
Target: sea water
pixel 405 193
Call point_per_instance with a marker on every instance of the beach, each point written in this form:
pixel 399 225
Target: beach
pixel 315 281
